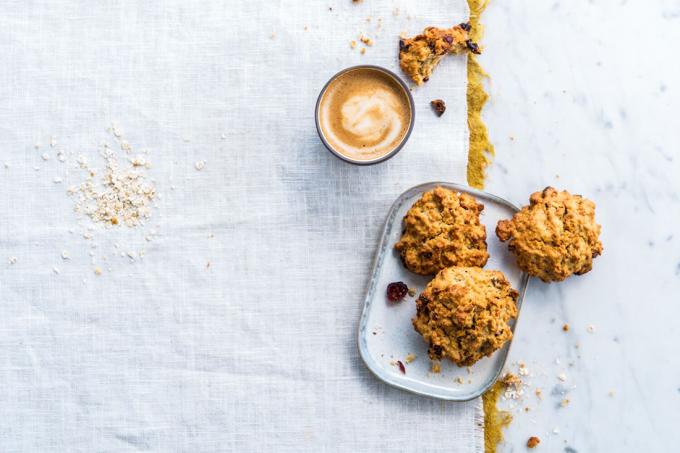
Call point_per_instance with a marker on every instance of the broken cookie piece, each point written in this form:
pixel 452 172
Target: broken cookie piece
pixel 418 56
pixel 439 106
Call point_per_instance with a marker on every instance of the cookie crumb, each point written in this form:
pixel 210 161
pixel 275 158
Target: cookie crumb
pixel 411 292
pixel 436 367
pixel 410 358
pixel 562 377
pixel 439 106
pixel 366 40
pixel 590 328
pixel 362 51
pixel 64 255
pixel 533 441
pixel 97 270
pixel 565 327
pixel 564 402
pixel 199 165
pixel 45 156
pixel 352 44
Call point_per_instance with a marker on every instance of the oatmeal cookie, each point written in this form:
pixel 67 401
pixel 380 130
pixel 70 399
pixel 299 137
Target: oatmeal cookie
pixel 442 229
pixel 555 236
pixel 463 314
pixel 418 56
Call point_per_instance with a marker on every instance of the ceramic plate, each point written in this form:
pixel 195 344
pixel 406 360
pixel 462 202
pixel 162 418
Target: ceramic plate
pixel 385 332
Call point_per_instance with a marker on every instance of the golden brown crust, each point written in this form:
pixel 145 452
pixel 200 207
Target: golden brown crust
pixel 463 314
pixel 418 56
pixel 555 236
pixel 442 229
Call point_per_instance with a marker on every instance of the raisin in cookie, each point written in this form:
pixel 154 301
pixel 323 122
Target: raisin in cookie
pixel 555 236
pixel 463 314
pixel 418 56
pixel 442 229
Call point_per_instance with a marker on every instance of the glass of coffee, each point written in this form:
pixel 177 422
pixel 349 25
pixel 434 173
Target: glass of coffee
pixel 365 114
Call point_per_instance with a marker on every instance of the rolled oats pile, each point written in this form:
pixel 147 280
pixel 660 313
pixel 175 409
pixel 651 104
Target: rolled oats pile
pixel 121 195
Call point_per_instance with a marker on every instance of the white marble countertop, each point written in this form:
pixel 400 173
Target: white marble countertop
pixel 585 96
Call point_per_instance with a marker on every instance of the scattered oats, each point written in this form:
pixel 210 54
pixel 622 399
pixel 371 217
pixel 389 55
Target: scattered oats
pixel 131 256
pixel 71 230
pixel 556 430
pixel 53 141
pixel 57 180
pixel 410 358
pixel 557 361
pixel 523 370
pixel 37 145
pixel 403 35
pixel 82 161
pixel 125 146
pixel 223 137
pixel 363 50
pixel 91 253
pixel 611 393
pixel 64 255
pixel 36 168
pixel 513 386
pixel 148 238
pixel 6 165
pixel 139 161
pixel 55 270
pixel 116 131
pixel 590 328
pixel 565 327
pixel 87 236
pixel 564 402
pixel 460 380
pixel 200 164
pixel 97 270
pixel 12 259
pixel 61 156
pixel 562 377
pixel 45 156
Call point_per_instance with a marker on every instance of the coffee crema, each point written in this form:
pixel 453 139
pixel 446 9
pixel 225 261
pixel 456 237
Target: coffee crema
pixel 364 114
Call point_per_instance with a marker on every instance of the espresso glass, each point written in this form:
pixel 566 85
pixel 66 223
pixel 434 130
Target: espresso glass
pixel 390 153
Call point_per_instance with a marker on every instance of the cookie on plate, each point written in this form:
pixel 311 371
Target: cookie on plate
pixel 555 236
pixel 442 229
pixel 418 56
pixel 463 314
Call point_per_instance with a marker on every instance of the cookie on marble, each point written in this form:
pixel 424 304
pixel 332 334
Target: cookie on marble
pixel 420 55
pixel 555 236
pixel 442 229
pixel 463 314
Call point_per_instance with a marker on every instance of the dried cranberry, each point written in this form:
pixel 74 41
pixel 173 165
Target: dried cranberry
pixel 402 368
pixel 439 106
pixel 466 26
pixel 474 48
pixel 448 39
pixel 396 291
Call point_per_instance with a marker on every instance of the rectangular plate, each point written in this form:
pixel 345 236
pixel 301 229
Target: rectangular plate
pixel 385 331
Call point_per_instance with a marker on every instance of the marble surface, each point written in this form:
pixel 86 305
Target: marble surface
pixel 585 96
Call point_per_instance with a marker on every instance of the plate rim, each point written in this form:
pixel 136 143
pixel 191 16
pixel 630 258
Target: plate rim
pixel 377 262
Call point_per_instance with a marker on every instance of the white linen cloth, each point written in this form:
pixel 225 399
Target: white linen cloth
pixel 236 331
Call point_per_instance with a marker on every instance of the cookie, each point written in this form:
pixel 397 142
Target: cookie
pixel 555 236
pixel 418 56
pixel 442 229
pixel 463 314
